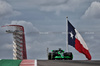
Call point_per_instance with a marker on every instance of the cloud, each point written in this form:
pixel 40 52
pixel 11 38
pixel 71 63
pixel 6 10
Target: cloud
pixel 93 11
pixel 63 5
pixel 7 46
pixel 28 26
pixel 6 9
pixel 50 5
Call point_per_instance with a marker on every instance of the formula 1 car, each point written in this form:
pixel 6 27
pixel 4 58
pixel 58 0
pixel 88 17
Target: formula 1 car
pixel 60 55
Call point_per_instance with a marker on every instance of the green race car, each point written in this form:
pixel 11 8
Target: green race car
pixel 60 55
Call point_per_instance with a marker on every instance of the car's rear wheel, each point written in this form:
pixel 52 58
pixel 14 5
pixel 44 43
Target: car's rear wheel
pixel 49 56
pixel 68 56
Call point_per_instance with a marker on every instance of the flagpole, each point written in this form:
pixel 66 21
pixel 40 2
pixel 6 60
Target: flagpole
pixel 67 49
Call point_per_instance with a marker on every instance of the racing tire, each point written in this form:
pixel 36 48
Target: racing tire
pixel 52 56
pixel 68 54
pixel 49 56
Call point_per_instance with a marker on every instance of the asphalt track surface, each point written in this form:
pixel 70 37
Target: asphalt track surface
pixel 68 63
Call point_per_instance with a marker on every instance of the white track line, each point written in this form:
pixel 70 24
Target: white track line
pixel 35 62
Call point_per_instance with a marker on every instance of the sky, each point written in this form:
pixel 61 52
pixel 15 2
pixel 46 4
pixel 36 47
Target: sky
pixel 50 16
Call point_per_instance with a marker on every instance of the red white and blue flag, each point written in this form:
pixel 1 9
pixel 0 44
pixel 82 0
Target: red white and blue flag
pixel 76 40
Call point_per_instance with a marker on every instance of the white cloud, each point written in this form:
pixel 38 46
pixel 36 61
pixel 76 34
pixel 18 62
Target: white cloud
pixel 7 46
pixel 28 26
pixel 6 9
pixel 93 11
pixel 61 5
pixel 49 5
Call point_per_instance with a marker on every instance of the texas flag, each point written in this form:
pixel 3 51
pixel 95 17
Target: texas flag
pixel 76 40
